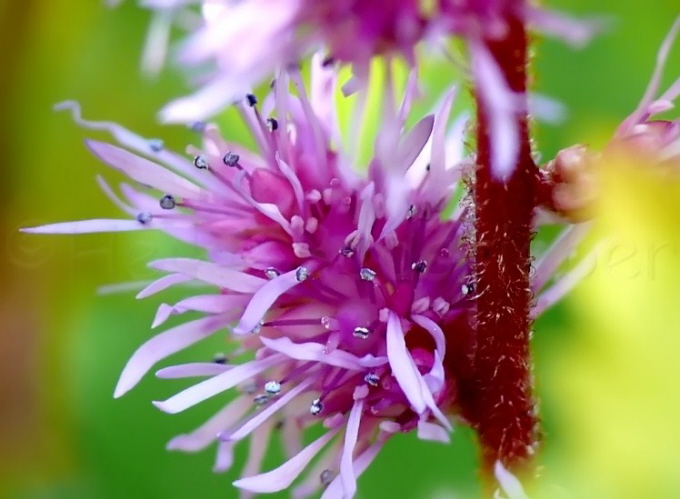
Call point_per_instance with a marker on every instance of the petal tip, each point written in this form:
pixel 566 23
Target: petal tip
pixel 163 406
pixel 121 389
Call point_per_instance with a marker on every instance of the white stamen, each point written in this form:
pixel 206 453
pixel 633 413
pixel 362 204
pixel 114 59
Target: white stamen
pixel 301 250
pixel 372 379
pixel 272 387
pixel 301 274
pixel 311 225
pixel 420 266
pixel 367 274
pixel 347 252
pixel 361 332
pixel 272 273
pixel 313 196
pixel 316 407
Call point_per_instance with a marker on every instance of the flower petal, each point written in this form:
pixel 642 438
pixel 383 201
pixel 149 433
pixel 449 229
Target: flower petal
pixel 335 490
pixel 162 345
pixel 162 314
pixel 321 94
pixel 259 444
pixel 347 475
pixel 655 81
pixel 500 107
pixel 414 141
pixel 576 32
pixel 225 457
pixel 509 482
pixel 211 273
pixel 205 434
pixel 561 249
pixel 403 367
pixel 432 431
pixel 564 284
pixel 144 171
pixel 210 304
pixel 433 328
pixel 205 102
pixel 431 404
pixel 291 432
pixel 138 144
pixel 88 226
pixel 192 370
pixel 317 352
pixel 312 482
pixel 264 298
pixel 262 416
pixel 282 477
pixel 435 378
pixel 217 384
pixel 163 283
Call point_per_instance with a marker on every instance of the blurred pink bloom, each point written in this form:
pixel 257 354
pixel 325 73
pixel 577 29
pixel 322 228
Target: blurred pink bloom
pixel 247 41
pixel 352 293
pixel 658 137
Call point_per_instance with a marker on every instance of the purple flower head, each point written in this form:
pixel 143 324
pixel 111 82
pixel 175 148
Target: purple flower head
pixel 352 293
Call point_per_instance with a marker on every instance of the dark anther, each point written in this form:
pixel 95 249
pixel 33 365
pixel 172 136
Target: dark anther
pixel 144 217
pixel 198 126
pixel 220 358
pixel 273 124
pixel 251 99
pixel 231 159
pixel 168 202
pixel 201 162
pixel 156 145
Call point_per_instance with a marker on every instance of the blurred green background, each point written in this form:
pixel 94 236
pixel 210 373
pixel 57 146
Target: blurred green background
pixel 62 346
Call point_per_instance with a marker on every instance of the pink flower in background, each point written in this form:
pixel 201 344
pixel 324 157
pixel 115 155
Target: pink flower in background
pixel 658 137
pixel 245 42
pixel 349 296
pixel 572 176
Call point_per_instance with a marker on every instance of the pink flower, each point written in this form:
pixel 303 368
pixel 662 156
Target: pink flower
pixel 352 293
pixel 243 46
pixel 660 138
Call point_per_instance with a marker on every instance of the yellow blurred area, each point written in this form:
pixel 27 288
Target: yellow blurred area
pixel 618 382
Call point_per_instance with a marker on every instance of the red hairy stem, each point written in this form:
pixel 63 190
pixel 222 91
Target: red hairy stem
pixel 500 405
